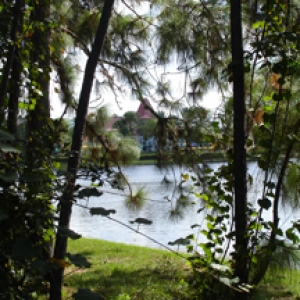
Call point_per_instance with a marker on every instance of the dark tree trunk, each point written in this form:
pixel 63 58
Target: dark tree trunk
pixel 18 14
pixel 15 82
pixel 73 162
pixel 14 94
pixel 240 200
pixel 40 64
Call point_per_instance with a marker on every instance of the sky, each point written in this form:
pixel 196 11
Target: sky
pixel 126 102
pixel 211 100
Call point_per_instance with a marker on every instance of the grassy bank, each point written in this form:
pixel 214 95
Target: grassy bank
pixel 126 272
pixel 124 269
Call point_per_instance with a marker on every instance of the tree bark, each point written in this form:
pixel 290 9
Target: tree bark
pixel 18 14
pixel 40 64
pixel 240 187
pixel 15 82
pixel 73 161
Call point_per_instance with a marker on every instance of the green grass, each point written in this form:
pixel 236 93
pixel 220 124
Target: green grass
pixel 279 284
pixel 148 274
pixel 123 269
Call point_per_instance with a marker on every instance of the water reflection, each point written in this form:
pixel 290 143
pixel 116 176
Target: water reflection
pixel 166 226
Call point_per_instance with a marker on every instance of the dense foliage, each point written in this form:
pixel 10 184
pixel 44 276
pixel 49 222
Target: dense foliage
pixel 170 52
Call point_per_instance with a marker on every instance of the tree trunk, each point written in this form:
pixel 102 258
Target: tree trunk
pixel 40 64
pixel 18 14
pixel 240 200
pixel 14 87
pixel 73 162
pixel 14 94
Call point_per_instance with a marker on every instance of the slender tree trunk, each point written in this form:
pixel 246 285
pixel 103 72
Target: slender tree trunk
pixel 14 87
pixel 18 13
pixel 14 94
pixel 73 162
pixel 40 62
pixel 240 201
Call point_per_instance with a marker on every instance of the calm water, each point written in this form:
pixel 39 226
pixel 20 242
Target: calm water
pixel 164 227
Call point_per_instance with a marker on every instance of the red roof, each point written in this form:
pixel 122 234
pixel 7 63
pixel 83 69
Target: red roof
pixel 143 112
pixel 111 122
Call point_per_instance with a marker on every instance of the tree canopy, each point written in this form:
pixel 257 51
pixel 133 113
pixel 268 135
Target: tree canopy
pixel 171 52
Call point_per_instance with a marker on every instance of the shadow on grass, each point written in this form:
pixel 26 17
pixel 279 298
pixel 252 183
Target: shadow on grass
pixel 147 283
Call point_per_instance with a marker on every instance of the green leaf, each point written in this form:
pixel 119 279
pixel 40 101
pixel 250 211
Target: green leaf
pixel 258 24
pixel 78 260
pixel 190 237
pixel 89 192
pixel 141 221
pixel 204 197
pixel 225 281
pixel 64 231
pixel 3 216
pixel 86 294
pixel 200 210
pixel 181 242
pixel 220 267
pixel 33 179
pixel 10 176
pixel 8 148
pixel 264 203
pixel 292 236
pixel 195 225
pixel 6 136
pixel 101 211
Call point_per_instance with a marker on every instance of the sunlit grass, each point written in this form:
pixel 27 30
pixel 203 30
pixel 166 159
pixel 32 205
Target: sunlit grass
pixel 283 285
pixel 148 274
pixel 119 269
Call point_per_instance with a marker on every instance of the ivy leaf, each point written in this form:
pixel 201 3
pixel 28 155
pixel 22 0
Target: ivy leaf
pixel 141 221
pixel 78 260
pixel 64 231
pixel 5 136
pixel 264 203
pixel 86 294
pixel 8 148
pixel 101 211
pixel 89 192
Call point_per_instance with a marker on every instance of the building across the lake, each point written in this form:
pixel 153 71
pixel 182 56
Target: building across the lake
pixel 142 113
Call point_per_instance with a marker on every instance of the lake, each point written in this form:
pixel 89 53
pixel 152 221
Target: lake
pixel 160 198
